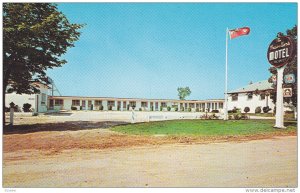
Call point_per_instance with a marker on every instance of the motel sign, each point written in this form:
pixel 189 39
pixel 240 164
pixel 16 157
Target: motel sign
pixel 281 51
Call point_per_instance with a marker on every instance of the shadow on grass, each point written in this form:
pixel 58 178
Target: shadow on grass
pixel 63 126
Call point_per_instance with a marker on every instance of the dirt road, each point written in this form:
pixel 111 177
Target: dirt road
pixel 257 163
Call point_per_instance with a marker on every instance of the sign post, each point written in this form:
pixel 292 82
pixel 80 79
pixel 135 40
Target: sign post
pixel 280 53
pixel 279 122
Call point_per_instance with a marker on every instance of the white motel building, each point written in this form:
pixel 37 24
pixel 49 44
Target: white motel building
pixel 252 95
pixel 240 98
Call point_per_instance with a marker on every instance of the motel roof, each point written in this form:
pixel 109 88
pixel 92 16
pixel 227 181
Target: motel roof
pixel 261 85
pixel 132 99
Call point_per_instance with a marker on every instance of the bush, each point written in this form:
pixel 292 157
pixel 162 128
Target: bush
pixel 234 110
pixel 151 108
pixel 73 108
pixel 7 109
pixel 237 116
pixel 176 108
pixel 140 109
pixel 161 108
pixel 246 109
pixel 215 111
pixel 80 108
pixel 169 108
pixel 266 109
pixel 189 109
pixel 257 110
pixel 26 107
pixel 182 109
pixel 109 108
pixel 101 108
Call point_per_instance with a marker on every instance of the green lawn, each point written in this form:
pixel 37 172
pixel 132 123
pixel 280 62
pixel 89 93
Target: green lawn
pixel 204 127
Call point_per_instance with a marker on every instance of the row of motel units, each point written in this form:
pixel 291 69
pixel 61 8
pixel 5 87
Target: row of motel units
pixel 127 104
pixel 239 98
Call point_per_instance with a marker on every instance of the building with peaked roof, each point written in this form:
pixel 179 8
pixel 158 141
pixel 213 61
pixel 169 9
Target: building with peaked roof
pixel 252 95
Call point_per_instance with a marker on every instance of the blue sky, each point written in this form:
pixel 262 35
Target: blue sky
pixel 147 50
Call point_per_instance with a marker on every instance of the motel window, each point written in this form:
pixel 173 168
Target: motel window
pixel 144 104
pixel 51 102
pixel 132 103
pixel 213 106
pixel 250 96
pixel 111 103
pixel 234 97
pixel 44 97
pixel 124 104
pixel 262 97
pixel 98 103
pixel 75 102
pixel 163 104
pixel 59 102
pixel 220 105
pixel 83 103
pixel 89 103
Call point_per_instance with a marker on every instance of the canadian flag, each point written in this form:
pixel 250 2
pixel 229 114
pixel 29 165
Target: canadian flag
pixel 239 32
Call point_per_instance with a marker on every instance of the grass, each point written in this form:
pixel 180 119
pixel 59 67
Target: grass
pixel 204 128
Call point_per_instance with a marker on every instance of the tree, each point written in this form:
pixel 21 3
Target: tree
pixel 26 107
pixel 183 92
pixel 35 36
pixel 291 68
pixel 246 109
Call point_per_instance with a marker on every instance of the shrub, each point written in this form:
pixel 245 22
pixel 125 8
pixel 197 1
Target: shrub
pixel 176 108
pixel 182 109
pixel 234 110
pixel 189 109
pixel 109 108
pixel 7 109
pixel 258 110
pixel 151 108
pixel 246 109
pixel 73 108
pixel 118 108
pixel 237 116
pixel 140 109
pixel 215 111
pixel 26 107
pixel 169 108
pixel 11 105
pixel 161 108
pixel 80 108
pixel 101 108
pixel 266 109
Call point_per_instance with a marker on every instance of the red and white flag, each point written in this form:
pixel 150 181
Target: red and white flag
pixel 234 33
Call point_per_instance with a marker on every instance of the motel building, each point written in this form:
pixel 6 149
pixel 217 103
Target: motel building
pixel 252 95
pixel 128 104
pixel 45 102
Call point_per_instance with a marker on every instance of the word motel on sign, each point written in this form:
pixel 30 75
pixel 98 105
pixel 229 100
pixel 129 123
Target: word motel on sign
pixel 279 54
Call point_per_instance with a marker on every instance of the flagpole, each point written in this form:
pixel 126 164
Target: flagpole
pixel 226 79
